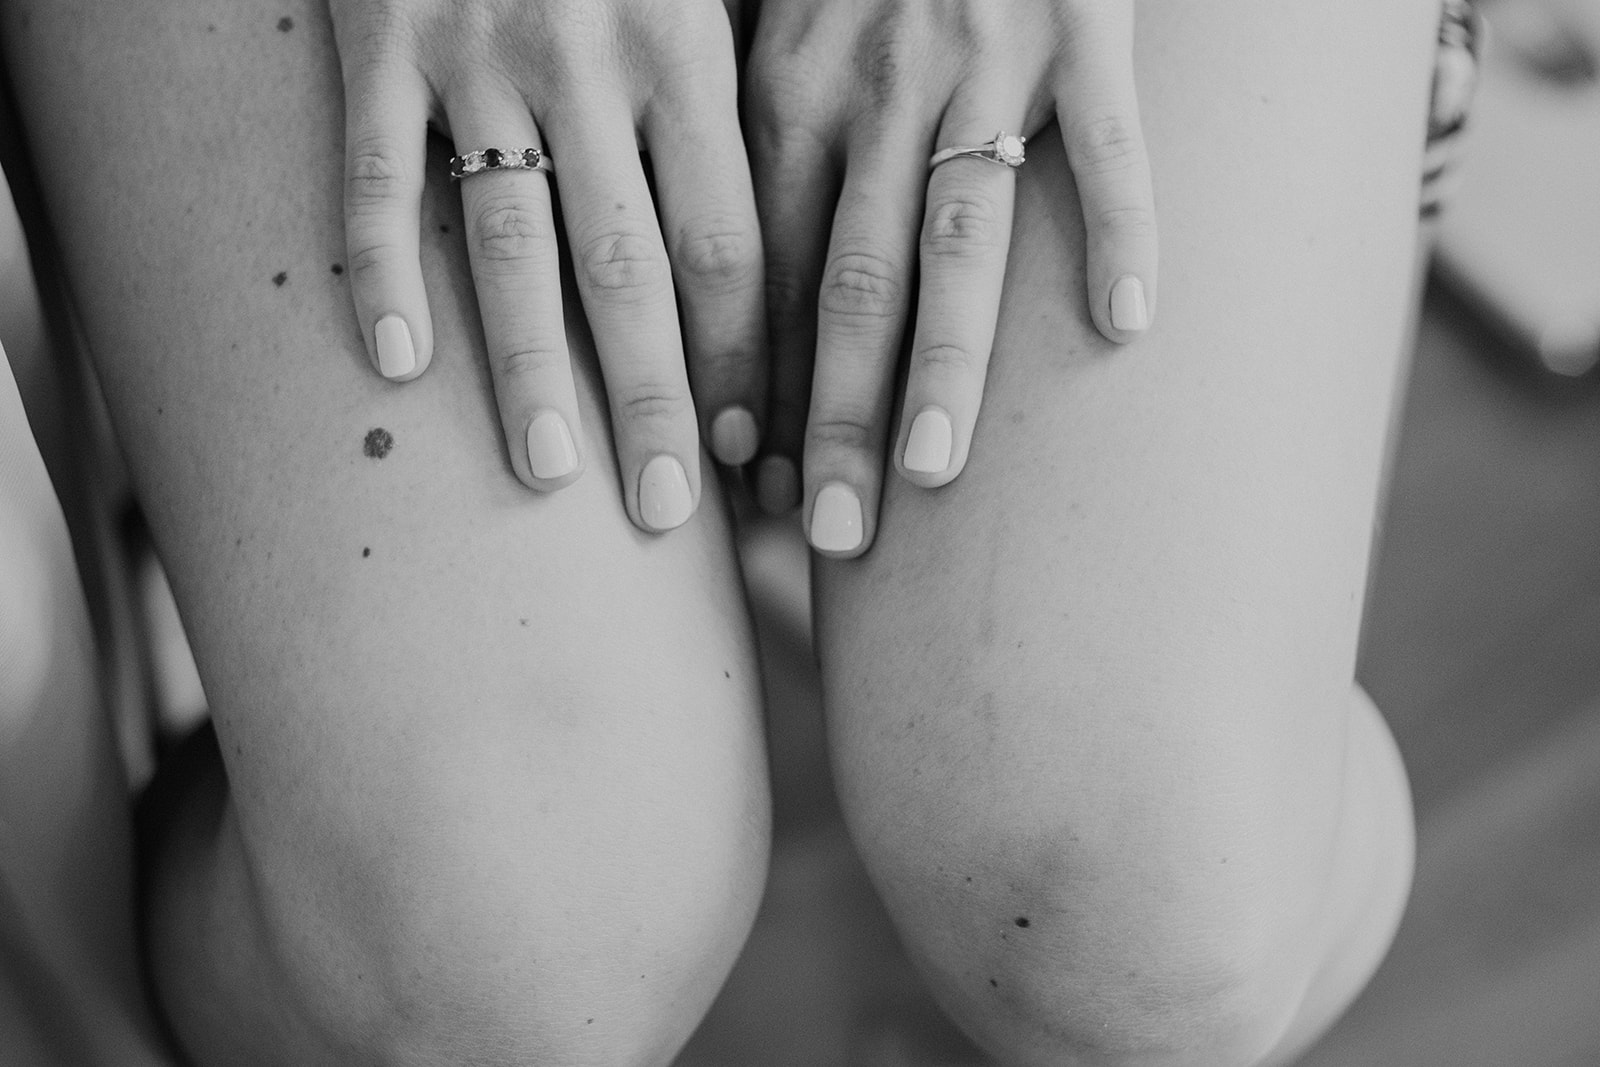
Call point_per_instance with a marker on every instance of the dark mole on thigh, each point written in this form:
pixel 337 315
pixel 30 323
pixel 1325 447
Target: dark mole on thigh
pixel 365 552
pixel 1021 921
pixel 279 278
pixel 337 268
pixel 285 24
pixel 378 443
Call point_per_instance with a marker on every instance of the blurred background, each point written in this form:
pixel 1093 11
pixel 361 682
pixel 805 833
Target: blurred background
pixel 1482 643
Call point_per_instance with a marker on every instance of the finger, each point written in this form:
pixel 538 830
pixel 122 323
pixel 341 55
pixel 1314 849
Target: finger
pixel 862 306
pixel 625 280
pixel 386 114
pixel 511 245
pixel 708 215
pixel 966 235
pixel 1099 114
pixel 796 185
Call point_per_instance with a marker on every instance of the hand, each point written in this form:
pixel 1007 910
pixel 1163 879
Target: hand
pixel 847 102
pixel 590 81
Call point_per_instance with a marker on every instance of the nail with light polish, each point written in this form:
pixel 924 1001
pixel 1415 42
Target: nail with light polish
pixel 734 436
pixel 665 502
pixel 836 519
pixel 777 485
pixel 397 356
pixel 551 452
pixel 929 442
pixel 1128 311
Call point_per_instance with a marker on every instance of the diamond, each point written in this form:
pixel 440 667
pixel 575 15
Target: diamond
pixel 1008 149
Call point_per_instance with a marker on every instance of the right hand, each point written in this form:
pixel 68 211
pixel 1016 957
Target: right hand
pixel 592 81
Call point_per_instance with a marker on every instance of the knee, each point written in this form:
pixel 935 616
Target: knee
pixel 423 933
pixel 1046 968
pixel 1069 913
pixel 458 957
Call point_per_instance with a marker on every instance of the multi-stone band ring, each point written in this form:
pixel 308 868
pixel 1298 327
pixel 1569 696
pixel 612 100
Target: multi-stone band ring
pixel 485 159
pixel 1007 149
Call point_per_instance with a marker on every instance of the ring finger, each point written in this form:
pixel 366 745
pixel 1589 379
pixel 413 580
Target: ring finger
pixel 966 235
pixel 516 270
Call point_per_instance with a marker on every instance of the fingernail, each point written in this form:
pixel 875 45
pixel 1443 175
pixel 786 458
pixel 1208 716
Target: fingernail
pixel 1128 311
pixel 734 437
pixel 836 518
pixel 551 452
pixel 928 443
pixel 777 485
pixel 397 356
pixel 664 498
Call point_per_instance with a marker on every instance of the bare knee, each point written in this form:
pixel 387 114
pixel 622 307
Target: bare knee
pixel 416 943
pixel 1089 912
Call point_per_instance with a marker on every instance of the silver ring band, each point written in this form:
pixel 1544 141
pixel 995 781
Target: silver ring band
pixel 1007 149
pixel 484 159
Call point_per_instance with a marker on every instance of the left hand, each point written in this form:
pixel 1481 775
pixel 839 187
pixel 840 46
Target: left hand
pixel 846 101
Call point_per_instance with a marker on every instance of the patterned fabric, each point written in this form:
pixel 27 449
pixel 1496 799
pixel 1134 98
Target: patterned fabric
pixel 1455 75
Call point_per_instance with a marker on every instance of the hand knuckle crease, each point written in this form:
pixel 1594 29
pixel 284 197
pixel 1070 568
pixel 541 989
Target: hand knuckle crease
pixel 623 263
pixel 505 230
pixel 861 284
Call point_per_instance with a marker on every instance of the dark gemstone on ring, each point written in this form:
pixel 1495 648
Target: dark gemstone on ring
pixel 530 158
pixel 458 167
pixel 492 157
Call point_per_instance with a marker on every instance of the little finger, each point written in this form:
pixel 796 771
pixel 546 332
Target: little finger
pixel 1098 109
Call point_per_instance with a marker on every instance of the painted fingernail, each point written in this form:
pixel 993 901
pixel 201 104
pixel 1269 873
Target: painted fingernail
pixel 777 485
pixel 664 498
pixel 836 518
pixel 551 453
pixel 928 444
pixel 1128 311
pixel 397 356
pixel 734 437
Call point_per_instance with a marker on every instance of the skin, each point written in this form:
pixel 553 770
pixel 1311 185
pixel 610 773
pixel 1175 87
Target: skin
pixel 70 989
pixel 1105 674
pixel 824 111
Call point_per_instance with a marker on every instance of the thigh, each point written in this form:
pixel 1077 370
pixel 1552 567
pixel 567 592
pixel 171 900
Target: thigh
pixel 1093 697
pixel 428 682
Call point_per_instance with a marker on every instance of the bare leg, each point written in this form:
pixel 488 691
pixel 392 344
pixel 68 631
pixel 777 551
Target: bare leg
pixel 70 985
pixel 491 786
pixel 1092 705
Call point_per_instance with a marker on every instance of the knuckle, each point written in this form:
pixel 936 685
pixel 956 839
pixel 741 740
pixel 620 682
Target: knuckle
pixel 520 363
pixel 506 229
pixel 861 285
pixel 720 256
pixel 1110 143
pixel 623 265
pixel 839 431
pixel 370 259
pixel 945 361
pixel 375 174
pixel 962 225
pixel 1127 221
pixel 887 61
pixel 650 401
pixel 788 296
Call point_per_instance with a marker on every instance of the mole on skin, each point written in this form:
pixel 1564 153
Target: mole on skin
pixel 285 24
pixel 378 443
